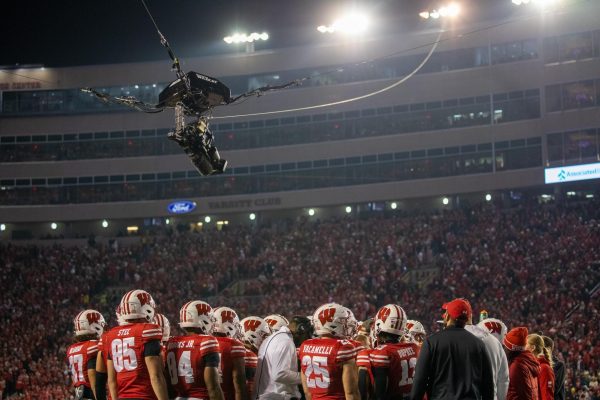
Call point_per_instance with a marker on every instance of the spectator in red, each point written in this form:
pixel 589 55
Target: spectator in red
pixel 524 368
pixel 535 343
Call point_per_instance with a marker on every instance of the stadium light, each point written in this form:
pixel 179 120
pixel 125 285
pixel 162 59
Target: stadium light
pixel 53 226
pixel 207 219
pixel 2 227
pixel 448 11
pixel 394 205
pixel 445 201
pixel 311 211
pixel 167 221
pixel 352 23
pixel 105 224
pixel 488 197
pixel 252 216
pixel 245 38
pixel 348 209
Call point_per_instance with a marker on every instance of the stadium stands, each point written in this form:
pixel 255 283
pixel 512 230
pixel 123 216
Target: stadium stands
pixel 535 266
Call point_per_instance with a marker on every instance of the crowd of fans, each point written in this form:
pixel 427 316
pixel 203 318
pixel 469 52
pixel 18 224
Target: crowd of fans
pixel 531 266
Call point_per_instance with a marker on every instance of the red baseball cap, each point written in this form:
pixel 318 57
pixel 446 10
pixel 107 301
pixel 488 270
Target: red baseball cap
pixel 458 308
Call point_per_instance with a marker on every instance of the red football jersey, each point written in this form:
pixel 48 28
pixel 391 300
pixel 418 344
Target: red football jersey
pixel 104 353
pixel 400 360
pixel 358 346
pixel 363 359
pixel 78 356
pixel 125 346
pixel 229 349
pixel 251 362
pixel 321 362
pixel 185 363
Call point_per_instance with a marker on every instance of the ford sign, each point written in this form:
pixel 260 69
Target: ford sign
pixel 181 207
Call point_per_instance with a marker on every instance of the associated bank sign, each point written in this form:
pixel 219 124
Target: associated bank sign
pixel 181 207
pixel 572 173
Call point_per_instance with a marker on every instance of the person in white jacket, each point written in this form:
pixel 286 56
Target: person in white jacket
pixel 497 357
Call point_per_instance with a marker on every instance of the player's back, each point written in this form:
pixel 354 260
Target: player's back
pixel 79 356
pixel 126 348
pixel 185 364
pixel 400 360
pixel 322 362
pixel 251 363
pixel 230 349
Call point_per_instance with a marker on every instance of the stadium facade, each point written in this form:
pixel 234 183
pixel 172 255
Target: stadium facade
pixel 488 113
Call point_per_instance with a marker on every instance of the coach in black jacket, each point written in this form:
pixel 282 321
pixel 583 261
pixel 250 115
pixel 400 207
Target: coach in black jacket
pixel 453 364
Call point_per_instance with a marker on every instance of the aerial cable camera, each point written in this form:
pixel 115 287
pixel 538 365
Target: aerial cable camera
pixel 191 95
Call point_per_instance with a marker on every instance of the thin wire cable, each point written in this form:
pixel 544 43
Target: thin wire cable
pixel 335 103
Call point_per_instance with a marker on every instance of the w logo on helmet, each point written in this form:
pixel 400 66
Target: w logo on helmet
pixel 271 322
pixel 383 314
pixel 251 325
pixel 494 327
pixel 326 315
pixel 409 326
pixel 203 308
pixel 227 316
pixel 144 298
pixel 93 317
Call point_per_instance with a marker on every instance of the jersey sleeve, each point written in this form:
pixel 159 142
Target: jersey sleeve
pixel 346 352
pixel 92 349
pixel 379 358
pixel 251 359
pixel 207 346
pixel 151 332
pixel 363 358
pixel 237 349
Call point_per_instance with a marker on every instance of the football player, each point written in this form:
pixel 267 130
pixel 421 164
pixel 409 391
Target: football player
pixel 254 330
pixel 276 321
pixel 134 361
pixel 101 362
pixel 165 328
pixel 363 359
pixel 228 333
pixel 393 362
pixel 494 326
pixel 193 359
pixel 415 332
pixel 328 362
pixel 88 327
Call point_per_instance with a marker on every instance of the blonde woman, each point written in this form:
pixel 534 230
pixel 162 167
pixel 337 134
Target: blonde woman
pixel 535 344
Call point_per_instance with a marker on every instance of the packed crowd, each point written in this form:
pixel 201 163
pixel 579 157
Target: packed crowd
pixel 532 266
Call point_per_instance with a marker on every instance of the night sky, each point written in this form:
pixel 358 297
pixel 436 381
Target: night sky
pixel 66 33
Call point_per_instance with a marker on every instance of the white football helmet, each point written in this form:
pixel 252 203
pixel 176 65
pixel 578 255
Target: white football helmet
pixel 197 314
pixel 165 326
pixel 415 330
pixel 89 322
pixel 332 319
pixel 276 321
pixel 255 330
pixel 495 327
pixel 352 325
pixel 227 322
pixel 390 319
pixel 137 304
